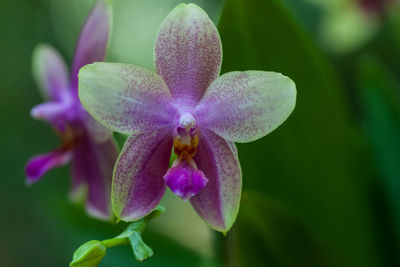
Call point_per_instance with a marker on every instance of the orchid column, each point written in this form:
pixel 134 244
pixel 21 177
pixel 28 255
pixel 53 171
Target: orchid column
pixel 86 143
pixel 186 107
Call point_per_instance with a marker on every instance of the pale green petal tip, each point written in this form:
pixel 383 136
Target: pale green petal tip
pixel 188 8
pixel 293 91
pixel 87 68
pixel 83 72
pixel 117 210
pixel 116 206
pixel 224 230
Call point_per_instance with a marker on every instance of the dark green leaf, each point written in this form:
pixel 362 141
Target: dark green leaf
pixel 267 235
pixel 380 101
pixel 316 163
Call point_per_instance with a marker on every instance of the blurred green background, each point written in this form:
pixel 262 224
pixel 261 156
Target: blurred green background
pixel 322 190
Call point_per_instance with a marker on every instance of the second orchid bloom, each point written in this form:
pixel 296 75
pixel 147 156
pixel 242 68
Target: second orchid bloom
pixel 86 144
pixel 187 107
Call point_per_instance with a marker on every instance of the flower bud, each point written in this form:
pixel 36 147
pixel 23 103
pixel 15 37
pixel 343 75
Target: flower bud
pixel 89 254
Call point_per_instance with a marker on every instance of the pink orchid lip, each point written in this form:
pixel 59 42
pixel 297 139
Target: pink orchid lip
pixel 184 179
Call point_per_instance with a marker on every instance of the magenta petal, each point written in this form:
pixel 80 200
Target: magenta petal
pixel 39 165
pixel 188 52
pixel 50 72
pixel 138 183
pixel 93 39
pixel 218 202
pixel 93 165
pixel 185 180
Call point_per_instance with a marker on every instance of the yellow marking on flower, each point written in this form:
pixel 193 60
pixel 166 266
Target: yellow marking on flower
pixel 70 137
pixel 186 149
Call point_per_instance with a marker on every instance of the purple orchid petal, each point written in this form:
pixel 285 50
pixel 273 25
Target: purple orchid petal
pixel 92 166
pixel 138 184
pixel 188 52
pixel 218 202
pixel 56 113
pixel 39 165
pixel 245 106
pixel 126 98
pixel 185 180
pixel 93 39
pixel 50 72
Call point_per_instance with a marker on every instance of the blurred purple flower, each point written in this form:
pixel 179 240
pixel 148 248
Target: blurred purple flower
pixel 374 6
pixel 86 143
pixel 187 107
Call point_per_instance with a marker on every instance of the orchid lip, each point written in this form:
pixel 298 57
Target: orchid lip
pixel 184 179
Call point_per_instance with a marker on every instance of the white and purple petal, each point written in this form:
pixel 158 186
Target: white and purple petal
pixel 39 165
pixel 50 72
pixel 126 98
pixel 92 167
pixel 218 202
pixel 188 52
pixel 93 39
pixel 138 184
pixel 245 106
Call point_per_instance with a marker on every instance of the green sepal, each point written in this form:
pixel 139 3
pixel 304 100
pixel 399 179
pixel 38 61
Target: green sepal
pixel 140 249
pixel 133 233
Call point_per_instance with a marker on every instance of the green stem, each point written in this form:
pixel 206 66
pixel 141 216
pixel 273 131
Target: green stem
pixel 114 242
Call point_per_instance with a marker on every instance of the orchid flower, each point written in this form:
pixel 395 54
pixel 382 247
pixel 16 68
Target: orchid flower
pixel 86 143
pixel 186 107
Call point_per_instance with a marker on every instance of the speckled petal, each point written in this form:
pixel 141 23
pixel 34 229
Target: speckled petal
pixel 39 165
pixel 245 106
pixel 93 39
pixel 188 52
pixel 138 183
pixel 50 72
pixel 218 202
pixel 92 166
pixel 126 98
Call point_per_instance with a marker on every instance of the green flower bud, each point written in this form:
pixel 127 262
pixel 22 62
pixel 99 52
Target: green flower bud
pixel 89 254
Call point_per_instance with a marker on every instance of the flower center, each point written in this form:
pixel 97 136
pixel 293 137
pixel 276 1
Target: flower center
pixel 186 139
pixel 70 137
pixel 183 178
